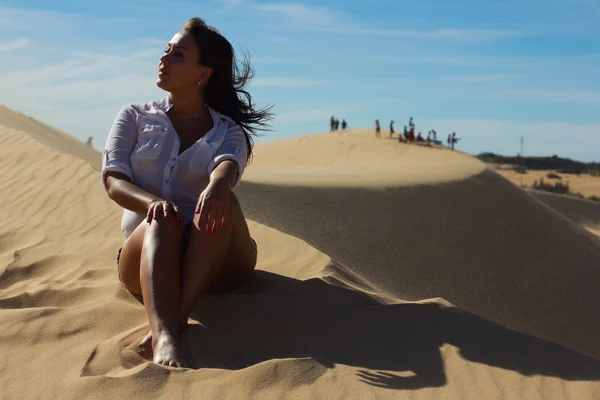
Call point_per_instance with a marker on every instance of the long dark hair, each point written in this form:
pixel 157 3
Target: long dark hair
pixel 225 90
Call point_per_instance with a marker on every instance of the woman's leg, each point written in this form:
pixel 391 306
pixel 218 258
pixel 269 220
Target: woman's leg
pixel 201 267
pixel 150 265
pixel 217 261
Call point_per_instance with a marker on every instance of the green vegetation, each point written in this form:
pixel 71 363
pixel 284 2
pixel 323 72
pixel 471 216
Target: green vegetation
pixel 571 170
pixel 552 175
pixel 563 165
pixel 556 187
pixel 558 164
pixel 561 188
pixel 519 169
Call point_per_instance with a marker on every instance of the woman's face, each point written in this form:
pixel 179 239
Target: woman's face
pixel 178 68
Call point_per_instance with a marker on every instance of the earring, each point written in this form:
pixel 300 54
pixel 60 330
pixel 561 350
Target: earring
pixel 199 81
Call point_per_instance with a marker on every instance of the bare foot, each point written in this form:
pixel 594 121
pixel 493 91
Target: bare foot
pixel 144 347
pixel 167 351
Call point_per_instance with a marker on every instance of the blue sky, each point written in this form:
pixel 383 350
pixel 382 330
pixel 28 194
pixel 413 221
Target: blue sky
pixel 492 71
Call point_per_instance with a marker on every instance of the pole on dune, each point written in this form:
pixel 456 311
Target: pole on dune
pixel 522 140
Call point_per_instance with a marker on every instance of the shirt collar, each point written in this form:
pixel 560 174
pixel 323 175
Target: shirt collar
pixel 165 105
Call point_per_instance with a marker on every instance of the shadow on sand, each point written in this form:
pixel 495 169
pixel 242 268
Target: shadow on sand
pixel 276 317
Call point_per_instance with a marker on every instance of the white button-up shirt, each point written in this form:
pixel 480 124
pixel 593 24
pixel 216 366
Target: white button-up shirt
pixel 144 145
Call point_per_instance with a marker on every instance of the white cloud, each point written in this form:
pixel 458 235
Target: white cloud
pixel 321 19
pixel 485 78
pixel 466 33
pixel 532 95
pixel 155 42
pixel 324 112
pixel 27 20
pixel 233 3
pixel 462 34
pixel 288 82
pixel 281 40
pixel 300 13
pixel 14 44
pixel 280 61
pixel 578 141
pixel 307 115
pixel 553 95
pixel 81 94
pixel 80 65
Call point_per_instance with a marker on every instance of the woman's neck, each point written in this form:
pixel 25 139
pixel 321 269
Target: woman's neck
pixel 187 104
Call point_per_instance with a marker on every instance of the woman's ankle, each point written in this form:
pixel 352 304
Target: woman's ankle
pixel 165 330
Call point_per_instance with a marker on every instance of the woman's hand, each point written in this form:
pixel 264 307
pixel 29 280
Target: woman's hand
pixel 212 210
pixel 164 208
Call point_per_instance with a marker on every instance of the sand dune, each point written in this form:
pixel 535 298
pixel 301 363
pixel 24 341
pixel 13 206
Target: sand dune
pixel 584 212
pixel 479 242
pixel 49 136
pixel 328 314
pixel 355 159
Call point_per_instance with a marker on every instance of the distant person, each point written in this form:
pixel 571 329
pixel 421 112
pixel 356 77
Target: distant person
pixel 344 124
pixel 434 135
pixel 429 136
pixel 411 134
pixel 183 227
pixel 420 138
pixel 332 123
pixel 337 124
pixel 450 140
pixel 410 123
pixel 377 128
pixel 454 139
pixel 391 128
pixel 89 141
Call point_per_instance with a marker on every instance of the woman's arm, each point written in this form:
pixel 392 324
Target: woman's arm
pixel 225 172
pixel 116 169
pixel 230 160
pixel 123 192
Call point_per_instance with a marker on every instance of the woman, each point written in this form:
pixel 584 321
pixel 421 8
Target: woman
pixel 171 164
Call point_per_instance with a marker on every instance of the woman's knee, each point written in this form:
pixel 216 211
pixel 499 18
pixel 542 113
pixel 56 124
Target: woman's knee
pixel 235 206
pixel 233 200
pixel 164 227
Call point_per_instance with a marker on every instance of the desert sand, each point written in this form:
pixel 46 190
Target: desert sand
pixel 584 184
pixel 385 270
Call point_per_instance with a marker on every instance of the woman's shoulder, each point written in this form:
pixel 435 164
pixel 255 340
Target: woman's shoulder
pixel 224 120
pixel 152 106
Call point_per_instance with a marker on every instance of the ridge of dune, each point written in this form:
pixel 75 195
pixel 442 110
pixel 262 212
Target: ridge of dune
pixel 50 136
pixel 472 238
pixel 581 211
pixel 355 158
pixel 307 326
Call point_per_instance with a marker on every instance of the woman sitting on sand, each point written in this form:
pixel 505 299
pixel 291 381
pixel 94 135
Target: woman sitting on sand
pixel 171 164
